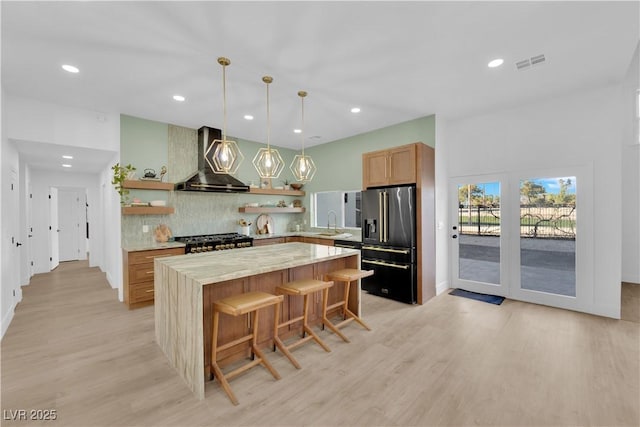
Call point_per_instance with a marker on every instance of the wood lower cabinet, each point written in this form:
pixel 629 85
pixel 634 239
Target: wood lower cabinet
pixel 395 166
pixel 138 275
pixel 268 241
pixel 318 241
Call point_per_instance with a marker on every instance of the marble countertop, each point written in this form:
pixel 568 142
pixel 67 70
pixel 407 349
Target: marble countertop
pixel 353 237
pixel 214 267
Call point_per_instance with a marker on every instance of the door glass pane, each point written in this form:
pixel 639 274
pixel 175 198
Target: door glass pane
pixel 548 235
pixel 479 232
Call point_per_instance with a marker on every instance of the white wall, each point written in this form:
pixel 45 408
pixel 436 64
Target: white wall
pixel 10 254
pixel 581 129
pixel 631 175
pixel 111 226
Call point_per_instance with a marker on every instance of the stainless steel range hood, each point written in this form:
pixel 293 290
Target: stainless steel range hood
pixel 205 180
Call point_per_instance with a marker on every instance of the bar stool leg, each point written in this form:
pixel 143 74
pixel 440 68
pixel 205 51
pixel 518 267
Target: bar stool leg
pixel 217 372
pixel 325 321
pixel 307 329
pixel 277 342
pixel 257 351
pixel 350 313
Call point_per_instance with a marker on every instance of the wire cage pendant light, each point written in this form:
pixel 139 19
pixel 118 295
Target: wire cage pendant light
pixel 223 155
pixel 302 166
pixel 268 161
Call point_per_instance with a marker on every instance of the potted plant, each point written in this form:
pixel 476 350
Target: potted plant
pixel 120 175
pixel 286 184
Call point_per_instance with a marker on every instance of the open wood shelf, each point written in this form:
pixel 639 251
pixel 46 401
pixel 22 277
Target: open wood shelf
pixel 247 209
pixel 148 185
pixel 147 210
pixel 273 191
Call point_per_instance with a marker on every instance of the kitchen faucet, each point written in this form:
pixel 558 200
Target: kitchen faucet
pixel 335 220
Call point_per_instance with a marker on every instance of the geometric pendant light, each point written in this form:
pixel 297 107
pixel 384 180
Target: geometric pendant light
pixel 302 166
pixel 226 156
pixel 268 161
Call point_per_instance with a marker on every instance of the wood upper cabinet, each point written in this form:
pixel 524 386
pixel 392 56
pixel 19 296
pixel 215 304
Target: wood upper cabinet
pixel 394 166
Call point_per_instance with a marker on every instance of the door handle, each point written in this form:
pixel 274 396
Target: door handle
pixel 397 251
pixel 381 219
pixel 455 236
pixel 18 244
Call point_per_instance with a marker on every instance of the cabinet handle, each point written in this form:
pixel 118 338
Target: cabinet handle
pixel 375 248
pixel 149 290
pixel 149 272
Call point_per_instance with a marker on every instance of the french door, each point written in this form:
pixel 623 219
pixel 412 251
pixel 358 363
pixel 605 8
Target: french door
pixel 477 240
pixel 525 235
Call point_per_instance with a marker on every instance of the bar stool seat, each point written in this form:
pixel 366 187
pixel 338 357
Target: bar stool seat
pixel 346 275
pixel 237 305
pixel 304 287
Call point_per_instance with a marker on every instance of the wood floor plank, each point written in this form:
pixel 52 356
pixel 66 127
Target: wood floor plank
pixel 74 348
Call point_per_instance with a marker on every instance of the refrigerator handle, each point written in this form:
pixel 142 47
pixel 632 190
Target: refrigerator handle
pixel 386 217
pixel 381 218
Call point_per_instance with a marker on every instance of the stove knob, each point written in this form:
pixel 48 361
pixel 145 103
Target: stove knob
pixel 233 245
pixel 193 250
pixel 227 246
pixel 209 248
pixel 218 247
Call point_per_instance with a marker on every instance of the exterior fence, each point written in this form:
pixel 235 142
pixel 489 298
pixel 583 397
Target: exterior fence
pixel 557 222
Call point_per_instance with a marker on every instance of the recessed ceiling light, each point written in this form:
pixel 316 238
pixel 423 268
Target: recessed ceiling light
pixel 355 110
pixel 495 63
pixel 248 117
pixel 64 165
pixel 70 68
pixel 67 157
pixel 297 131
pixel 178 98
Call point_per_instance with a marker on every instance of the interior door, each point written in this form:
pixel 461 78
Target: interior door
pixel 54 257
pixel 477 240
pixel 69 225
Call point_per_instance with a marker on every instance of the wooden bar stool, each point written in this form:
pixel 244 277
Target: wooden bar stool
pixel 303 288
pixel 346 275
pixel 237 305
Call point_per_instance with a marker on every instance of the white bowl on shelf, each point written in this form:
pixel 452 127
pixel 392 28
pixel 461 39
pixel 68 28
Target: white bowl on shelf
pixel 158 203
pixel 251 205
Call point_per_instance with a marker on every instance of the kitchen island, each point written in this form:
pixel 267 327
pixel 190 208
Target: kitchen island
pixel 186 285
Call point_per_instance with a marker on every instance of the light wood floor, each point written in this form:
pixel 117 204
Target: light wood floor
pixel 454 361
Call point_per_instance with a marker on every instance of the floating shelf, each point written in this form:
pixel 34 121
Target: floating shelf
pixel 270 210
pixel 148 185
pixel 147 210
pixel 273 191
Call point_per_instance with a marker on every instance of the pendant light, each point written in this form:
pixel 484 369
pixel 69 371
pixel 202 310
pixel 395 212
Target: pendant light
pixel 302 166
pixel 268 161
pixel 224 156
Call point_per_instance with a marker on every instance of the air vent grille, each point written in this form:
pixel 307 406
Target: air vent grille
pixel 530 62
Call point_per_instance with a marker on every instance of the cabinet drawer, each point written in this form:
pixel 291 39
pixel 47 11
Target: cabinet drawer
pixel 148 256
pixel 141 292
pixel 268 241
pixel 141 273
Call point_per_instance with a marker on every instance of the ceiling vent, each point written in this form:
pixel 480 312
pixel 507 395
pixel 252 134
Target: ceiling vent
pixel 530 62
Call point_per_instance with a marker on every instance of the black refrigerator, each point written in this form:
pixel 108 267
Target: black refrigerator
pixel 389 242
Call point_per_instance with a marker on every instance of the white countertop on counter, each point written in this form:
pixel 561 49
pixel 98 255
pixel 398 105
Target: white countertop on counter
pixel 219 266
pixel 135 247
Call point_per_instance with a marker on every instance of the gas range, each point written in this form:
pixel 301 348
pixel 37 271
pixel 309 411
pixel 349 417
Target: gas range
pixel 214 242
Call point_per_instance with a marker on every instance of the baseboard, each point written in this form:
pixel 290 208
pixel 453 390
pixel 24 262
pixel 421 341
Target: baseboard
pixel 6 320
pixel 630 283
pixel 110 280
pixel 442 287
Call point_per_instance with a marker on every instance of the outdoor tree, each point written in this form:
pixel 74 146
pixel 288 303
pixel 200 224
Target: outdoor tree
pixel 563 197
pixel 534 193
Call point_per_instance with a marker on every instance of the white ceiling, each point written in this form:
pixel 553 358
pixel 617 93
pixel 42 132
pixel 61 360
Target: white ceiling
pixel 397 61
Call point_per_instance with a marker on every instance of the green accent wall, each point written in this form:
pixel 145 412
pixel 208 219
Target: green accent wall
pixel 339 162
pixel 143 143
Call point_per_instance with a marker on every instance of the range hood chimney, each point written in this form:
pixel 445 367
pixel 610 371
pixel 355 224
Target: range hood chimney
pixel 205 179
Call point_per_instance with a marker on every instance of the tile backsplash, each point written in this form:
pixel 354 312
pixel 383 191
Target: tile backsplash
pixel 198 213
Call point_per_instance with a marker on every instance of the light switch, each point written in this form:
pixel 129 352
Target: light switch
pixel 145 228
